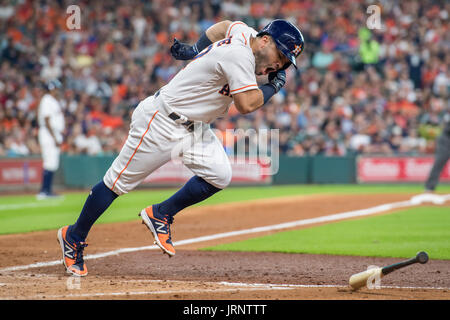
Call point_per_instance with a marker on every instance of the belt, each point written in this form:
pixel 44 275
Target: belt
pixel 179 119
pixel 189 125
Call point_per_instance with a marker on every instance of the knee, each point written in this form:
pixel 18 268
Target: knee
pixel 222 177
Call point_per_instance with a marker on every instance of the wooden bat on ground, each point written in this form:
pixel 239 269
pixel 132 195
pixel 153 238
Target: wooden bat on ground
pixel 359 280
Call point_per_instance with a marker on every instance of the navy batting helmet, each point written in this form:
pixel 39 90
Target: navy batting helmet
pixel 287 37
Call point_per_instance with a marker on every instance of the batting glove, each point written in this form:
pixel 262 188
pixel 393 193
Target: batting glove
pixel 277 79
pixel 183 51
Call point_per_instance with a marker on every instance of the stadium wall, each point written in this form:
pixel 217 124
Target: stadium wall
pixel 82 171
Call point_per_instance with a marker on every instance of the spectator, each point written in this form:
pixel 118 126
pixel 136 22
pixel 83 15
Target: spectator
pixel 353 90
pixel 369 49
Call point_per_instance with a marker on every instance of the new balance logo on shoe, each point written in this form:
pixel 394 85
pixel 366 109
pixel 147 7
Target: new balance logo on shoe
pixel 68 252
pixel 161 227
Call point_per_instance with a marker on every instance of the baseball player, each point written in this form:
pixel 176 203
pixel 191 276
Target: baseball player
pixel 51 126
pixel 441 157
pixel 175 121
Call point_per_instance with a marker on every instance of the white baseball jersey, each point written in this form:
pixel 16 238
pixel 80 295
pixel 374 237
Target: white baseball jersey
pixel 50 107
pixel 203 90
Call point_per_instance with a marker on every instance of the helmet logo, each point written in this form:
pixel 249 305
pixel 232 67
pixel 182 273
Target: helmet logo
pixel 297 50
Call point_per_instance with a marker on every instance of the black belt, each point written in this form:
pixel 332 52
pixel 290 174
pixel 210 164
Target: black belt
pixel 188 124
pixel 175 116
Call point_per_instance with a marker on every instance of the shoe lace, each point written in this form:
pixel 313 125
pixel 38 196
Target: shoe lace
pixel 79 252
pixel 169 220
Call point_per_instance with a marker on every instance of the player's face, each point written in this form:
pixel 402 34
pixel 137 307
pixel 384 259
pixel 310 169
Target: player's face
pixel 55 93
pixel 268 58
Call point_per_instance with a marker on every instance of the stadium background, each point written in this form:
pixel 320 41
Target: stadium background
pixel 358 95
pixel 383 95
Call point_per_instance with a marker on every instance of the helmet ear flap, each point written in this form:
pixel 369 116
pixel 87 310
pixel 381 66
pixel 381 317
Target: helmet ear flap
pixel 286 65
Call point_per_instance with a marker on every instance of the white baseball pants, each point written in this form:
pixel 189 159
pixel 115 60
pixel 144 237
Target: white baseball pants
pixel 154 139
pixel 50 152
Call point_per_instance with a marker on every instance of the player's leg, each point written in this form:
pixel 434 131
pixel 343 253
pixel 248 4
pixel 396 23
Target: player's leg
pixel 207 159
pixel 442 155
pixel 52 168
pixel 159 217
pixel 195 190
pixel 50 163
pixel 140 155
pixel 99 199
pixel 47 177
pixel 143 152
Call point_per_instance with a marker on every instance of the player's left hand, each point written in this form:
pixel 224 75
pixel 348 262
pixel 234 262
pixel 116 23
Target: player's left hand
pixel 182 51
pixel 277 79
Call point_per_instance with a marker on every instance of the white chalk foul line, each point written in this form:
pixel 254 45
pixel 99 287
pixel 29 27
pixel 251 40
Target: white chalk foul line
pixel 16 206
pixel 287 225
pixel 270 285
pixel 153 292
pixel 293 286
pixel 237 286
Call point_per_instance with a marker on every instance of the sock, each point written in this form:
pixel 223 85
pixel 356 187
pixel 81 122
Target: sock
pixel 43 186
pixel 49 181
pixel 99 199
pixel 194 191
pixel 47 177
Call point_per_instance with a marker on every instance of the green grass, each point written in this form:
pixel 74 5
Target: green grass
pixel 400 234
pixel 16 217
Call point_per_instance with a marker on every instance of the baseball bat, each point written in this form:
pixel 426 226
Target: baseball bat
pixel 359 280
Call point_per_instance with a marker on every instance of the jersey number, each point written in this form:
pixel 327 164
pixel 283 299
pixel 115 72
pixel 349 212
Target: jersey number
pixel 208 49
pixel 224 41
pixel 205 51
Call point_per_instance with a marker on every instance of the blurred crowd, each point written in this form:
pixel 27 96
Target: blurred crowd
pixel 357 90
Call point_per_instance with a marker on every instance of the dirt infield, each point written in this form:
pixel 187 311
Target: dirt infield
pixel 145 273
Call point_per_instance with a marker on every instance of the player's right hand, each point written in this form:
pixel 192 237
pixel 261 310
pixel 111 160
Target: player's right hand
pixel 182 51
pixel 277 79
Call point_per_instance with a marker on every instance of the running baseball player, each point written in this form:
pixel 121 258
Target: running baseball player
pixel 175 121
pixel 51 127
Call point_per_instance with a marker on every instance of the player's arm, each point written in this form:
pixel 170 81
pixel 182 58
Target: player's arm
pixel 248 101
pixel 49 128
pixel 251 100
pixel 218 31
pixel 184 51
